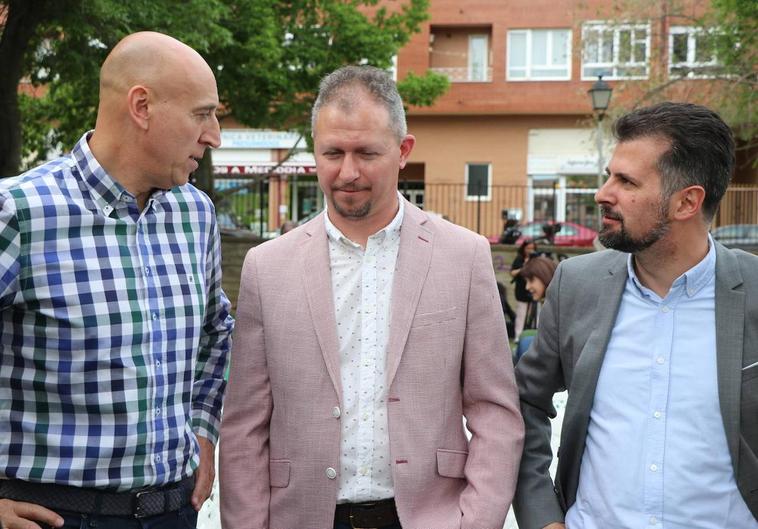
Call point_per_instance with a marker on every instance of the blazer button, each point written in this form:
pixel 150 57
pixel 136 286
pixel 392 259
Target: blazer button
pixel 331 473
pixel 336 412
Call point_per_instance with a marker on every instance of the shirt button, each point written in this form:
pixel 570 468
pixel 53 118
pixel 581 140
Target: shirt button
pixel 364 471
pixel 654 467
pixel 653 520
pixel 158 363
pixel 331 473
pixel 147 270
pixel 659 360
pixel 157 411
pixel 155 315
pixel 664 309
pixel 365 417
pixel 158 459
pixel 336 412
pixel 657 415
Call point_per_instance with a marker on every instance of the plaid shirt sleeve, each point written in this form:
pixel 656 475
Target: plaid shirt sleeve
pixel 9 250
pixel 215 342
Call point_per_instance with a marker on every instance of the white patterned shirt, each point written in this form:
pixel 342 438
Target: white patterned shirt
pixel 362 287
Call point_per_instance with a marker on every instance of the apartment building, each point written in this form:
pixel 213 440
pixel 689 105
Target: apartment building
pixel 516 130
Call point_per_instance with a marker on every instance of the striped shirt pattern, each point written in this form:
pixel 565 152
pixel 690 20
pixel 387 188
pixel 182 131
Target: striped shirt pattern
pixel 114 329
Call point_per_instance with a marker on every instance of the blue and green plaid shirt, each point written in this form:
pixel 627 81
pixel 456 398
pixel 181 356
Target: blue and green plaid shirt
pixel 114 330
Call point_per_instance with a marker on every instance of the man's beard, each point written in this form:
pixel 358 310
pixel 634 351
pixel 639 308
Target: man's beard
pixel 622 241
pixel 352 212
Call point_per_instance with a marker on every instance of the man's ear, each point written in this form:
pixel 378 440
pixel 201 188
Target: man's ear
pixel 138 99
pixel 406 146
pixel 688 202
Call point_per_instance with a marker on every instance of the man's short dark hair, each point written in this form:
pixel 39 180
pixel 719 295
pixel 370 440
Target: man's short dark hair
pixel 701 150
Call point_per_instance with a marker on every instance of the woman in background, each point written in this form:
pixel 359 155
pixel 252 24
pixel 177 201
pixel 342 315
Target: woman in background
pixel 524 253
pixel 538 273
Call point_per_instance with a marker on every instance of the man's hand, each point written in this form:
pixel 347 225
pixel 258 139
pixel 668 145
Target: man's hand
pixel 555 525
pixel 205 473
pixel 20 515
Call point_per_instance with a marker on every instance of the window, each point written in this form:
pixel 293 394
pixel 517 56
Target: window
pixel 477 57
pixel 692 53
pixel 542 54
pixel 461 54
pixel 615 52
pixel 478 180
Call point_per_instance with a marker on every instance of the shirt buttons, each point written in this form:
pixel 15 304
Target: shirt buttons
pixel 336 412
pixel 653 520
pixel 665 309
pixel 653 467
pixel 331 473
pixel 657 414
pixel 157 459
pixel 364 471
pixel 659 360
pixel 107 209
pixel 147 270
pixel 155 315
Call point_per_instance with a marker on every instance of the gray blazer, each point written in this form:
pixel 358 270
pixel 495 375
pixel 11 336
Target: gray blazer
pixel 575 327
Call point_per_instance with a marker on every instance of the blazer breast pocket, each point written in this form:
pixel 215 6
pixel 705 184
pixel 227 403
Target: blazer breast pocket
pixel 749 372
pixel 433 318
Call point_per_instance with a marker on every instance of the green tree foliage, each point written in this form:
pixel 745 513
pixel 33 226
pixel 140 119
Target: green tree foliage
pixel 268 57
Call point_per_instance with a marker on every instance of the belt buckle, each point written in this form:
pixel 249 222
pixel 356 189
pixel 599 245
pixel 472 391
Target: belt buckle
pixel 364 505
pixel 149 503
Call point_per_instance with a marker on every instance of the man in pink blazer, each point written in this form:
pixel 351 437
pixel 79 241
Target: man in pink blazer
pixel 363 339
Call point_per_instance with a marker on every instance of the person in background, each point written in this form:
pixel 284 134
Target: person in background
pixel 538 272
pixel 114 330
pixel 288 225
pixel 655 341
pixel 364 338
pixel 525 251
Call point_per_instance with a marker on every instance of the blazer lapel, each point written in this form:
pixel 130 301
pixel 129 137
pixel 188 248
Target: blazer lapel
pixel 317 283
pixel 730 323
pixel 413 261
pixel 586 372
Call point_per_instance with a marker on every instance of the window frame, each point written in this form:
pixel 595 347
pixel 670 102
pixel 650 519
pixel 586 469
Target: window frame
pixel 469 61
pixel 692 33
pixel 611 68
pixel 474 198
pixel 529 59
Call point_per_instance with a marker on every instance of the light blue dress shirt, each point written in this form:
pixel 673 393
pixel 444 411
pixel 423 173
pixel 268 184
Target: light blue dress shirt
pixel 656 453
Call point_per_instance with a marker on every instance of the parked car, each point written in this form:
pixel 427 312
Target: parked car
pixel 570 234
pixel 736 234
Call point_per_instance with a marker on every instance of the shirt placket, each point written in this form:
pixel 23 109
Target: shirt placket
pixel 153 355
pixel 367 367
pixel 660 378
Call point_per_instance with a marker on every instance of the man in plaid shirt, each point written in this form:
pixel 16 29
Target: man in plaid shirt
pixel 114 329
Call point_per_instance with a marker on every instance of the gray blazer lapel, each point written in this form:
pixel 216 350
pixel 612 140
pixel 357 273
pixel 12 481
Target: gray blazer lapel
pixel 610 290
pixel 411 269
pixel 317 283
pixel 730 323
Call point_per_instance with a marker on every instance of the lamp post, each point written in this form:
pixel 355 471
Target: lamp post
pixel 600 93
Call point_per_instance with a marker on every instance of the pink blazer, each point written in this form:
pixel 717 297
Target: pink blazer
pixel 447 357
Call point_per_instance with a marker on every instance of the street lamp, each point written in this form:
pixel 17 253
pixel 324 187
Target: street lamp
pixel 600 93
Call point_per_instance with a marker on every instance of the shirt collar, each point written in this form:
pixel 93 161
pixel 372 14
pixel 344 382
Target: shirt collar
pixel 390 232
pixel 693 279
pixel 106 192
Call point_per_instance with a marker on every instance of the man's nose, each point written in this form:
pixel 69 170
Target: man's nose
pixel 212 135
pixel 349 168
pixel 602 195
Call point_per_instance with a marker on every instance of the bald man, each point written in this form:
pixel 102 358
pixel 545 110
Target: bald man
pixel 114 330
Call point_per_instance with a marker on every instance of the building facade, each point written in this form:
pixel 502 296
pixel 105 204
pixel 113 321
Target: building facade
pixel 515 134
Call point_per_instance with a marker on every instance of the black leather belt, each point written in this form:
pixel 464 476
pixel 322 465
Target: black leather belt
pixel 372 514
pixel 137 503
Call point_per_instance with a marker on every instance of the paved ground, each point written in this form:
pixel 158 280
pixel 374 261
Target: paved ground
pixel 209 518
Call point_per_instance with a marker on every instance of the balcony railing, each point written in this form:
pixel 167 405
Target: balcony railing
pixel 465 75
